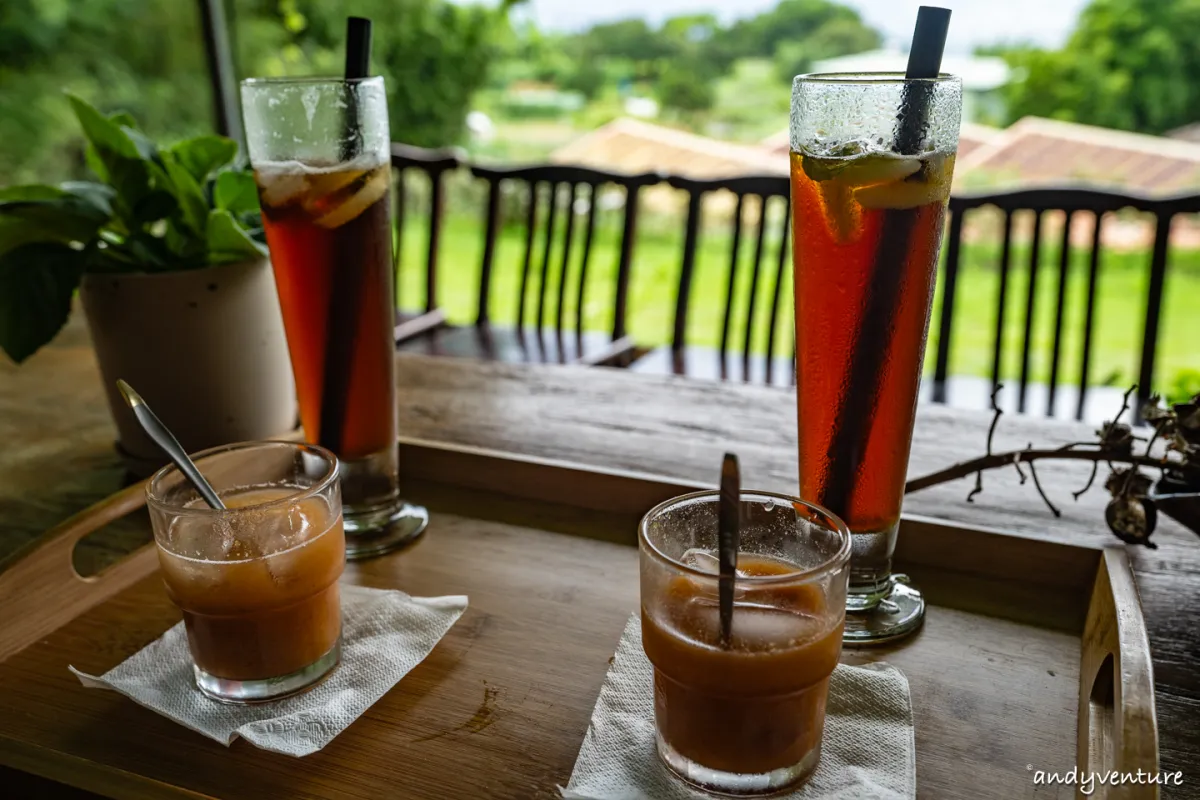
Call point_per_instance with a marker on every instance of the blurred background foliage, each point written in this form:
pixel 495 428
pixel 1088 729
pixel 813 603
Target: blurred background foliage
pixel 1130 64
pixel 146 57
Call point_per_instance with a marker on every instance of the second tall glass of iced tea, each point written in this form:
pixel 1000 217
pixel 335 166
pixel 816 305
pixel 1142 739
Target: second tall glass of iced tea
pixel 321 155
pixel 872 158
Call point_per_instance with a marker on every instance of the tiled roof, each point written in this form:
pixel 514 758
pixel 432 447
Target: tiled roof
pixel 1033 151
pixel 629 145
pixel 1037 151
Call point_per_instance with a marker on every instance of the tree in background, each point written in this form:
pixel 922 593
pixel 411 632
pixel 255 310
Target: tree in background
pixel 841 35
pixel 433 54
pixel 796 32
pixel 147 57
pixel 144 57
pixel 686 73
pixel 686 54
pixel 1130 64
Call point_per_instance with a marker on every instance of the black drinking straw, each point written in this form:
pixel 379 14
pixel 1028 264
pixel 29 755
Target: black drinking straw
pixel 345 288
pixel 862 397
pixel 729 524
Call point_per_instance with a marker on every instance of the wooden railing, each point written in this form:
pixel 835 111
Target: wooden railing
pixel 1073 204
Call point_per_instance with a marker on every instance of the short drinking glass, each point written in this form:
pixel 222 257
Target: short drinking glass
pixel 257 582
pixel 321 157
pixel 872 158
pixel 745 716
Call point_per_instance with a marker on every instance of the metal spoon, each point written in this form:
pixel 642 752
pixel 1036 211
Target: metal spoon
pixel 163 437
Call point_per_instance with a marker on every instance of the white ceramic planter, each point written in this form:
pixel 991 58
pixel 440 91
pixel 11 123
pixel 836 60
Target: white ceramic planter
pixel 205 348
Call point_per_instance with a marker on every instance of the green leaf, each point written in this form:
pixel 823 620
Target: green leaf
pixel 72 213
pixel 228 241
pixel 148 253
pixel 204 155
pixel 37 282
pixel 153 206
pixel 105 135
pixel 236 192
pixel 95 163
pixel 29 193
pixel 98 194
pixel 147 149
pixel 185 246
pixel 188 194
pixel 124 119
pixel 114 156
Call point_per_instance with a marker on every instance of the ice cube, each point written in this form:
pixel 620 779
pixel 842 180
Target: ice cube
pixel 273 531
pixel 706 561
pixel 701 559
pixel 375 187
pixel 281 185
pixel 758 627
pixel 327 182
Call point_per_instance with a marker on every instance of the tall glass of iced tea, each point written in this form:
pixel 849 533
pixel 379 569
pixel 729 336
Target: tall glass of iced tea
pixel 258 581
pixel 745 716
pixel 872 158
pixel 321 156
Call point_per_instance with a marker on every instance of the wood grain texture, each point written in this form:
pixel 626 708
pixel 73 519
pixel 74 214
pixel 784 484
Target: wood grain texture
pixel 1116 700
pixel 58 459
pixel 500 706
pixel 39 587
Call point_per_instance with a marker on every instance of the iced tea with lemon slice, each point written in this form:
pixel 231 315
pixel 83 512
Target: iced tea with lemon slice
pixel 842 204
pixel 320 222
pixel 321 155
pixel 871 165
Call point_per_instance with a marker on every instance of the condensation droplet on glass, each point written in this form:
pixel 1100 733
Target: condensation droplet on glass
pixel 769 505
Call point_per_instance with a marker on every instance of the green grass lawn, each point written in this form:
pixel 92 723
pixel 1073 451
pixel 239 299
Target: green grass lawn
pixel 1120 306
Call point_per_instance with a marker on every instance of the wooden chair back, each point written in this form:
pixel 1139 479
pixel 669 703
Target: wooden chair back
pixel 768 191
pixel 1075 206
pixel 562 202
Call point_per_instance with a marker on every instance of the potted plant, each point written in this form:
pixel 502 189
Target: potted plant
pixel 179 297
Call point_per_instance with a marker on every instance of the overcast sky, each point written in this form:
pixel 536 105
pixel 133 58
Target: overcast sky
pixel 975 22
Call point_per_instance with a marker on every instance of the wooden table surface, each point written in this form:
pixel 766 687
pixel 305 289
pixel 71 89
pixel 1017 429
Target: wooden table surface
pixel 58 458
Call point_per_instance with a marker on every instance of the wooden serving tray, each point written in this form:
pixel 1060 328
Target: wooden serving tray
pixel 1033 655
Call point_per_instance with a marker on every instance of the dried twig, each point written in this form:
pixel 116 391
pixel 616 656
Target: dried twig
pixel 1133 518
pixel 1096 453
pixel 996 413
pixel 1124 404
pixel 978 487
pixel 1038 484
pixel 1091 479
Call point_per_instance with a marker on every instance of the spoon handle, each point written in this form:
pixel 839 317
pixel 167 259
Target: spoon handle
pixel 163 437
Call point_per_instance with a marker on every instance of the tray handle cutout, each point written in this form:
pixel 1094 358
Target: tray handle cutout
pixel 1118 731
pixel 39 587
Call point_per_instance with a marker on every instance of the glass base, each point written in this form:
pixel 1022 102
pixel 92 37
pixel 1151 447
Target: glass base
pixel 897 614
pixel 736 784
pixel 234 692
pixel 374 533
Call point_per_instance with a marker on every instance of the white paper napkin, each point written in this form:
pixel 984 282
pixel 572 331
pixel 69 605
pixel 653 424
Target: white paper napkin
pixel 868 752
pixel 384 635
